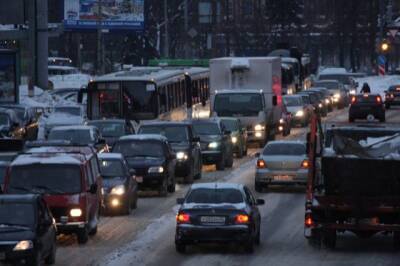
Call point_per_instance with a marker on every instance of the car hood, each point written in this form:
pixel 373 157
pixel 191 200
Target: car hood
pixel 181 146
pixel 210 138
pixel 112 182
pixel 11 233
pixel 61 119
pixel 294 109
pixel 141 162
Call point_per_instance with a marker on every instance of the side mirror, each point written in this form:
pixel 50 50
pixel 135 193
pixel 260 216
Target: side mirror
pixel 260 201
pixel 257 154
pixel 180 201
pixel 274 100
pixel 93 189
pixel 132 172
pixel 196 139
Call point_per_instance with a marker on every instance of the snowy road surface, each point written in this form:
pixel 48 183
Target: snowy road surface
pixel 146 237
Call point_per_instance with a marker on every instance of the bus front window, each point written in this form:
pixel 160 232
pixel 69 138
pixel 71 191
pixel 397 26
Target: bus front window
pixel 139 100
pixel 104 100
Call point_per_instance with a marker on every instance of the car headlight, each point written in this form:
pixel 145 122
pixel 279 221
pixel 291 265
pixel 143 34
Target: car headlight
pixel 258 127
pixel 327 101
pixel 234 139
pixel 118 190
pixel 75 212
pixel 281 121
pixel 182 156
pixel 213 145
pixel 353 91
pixel 336 96
pixel 156 169
pixel 320 105
pixel 23 245
pixel 300 113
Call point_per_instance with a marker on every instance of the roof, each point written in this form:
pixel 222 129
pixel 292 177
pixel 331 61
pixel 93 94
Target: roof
pixel 286 142
pixel 217 186
pixel 238 91
pixel 51 67
pixel 165 123
pixel 143 137
pixel 19 198
pixel 110 156
pixel 122 121
pixel 327 81
pixel 228 118
pixel 48 158
pixel 292 96
pixel 54 148
pixel 73 127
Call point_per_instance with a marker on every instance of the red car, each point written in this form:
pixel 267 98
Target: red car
pixel 69 177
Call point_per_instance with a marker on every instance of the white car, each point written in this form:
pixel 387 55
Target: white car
pixel 64 116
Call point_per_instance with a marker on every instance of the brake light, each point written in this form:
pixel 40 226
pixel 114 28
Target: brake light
pixel 353 99
pixel 183 218
pixel 378 99
pixel 261 164
pixel 242 219
pixel 305 164
pixel 308 221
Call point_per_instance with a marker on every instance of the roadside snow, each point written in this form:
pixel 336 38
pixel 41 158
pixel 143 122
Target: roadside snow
pixel 70 81
pixel 379 84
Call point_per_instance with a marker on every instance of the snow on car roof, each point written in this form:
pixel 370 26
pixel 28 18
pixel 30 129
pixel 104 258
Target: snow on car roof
pixel 110 155
pixel 154 74
pixel 52 67
pixel 333 70
pixel 238 91
pixel 40 158
pixel 217 185
pixel 73 127
pixel 286 142
pixel 144 137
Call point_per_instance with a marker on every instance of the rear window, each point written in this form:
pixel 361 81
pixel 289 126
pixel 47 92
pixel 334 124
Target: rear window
pixel 285 149
pixel 111 168
pixel 45 178
pixel 139 148
pixel 75 136
pixel 214 196
pixel 292 101
pixel 172 133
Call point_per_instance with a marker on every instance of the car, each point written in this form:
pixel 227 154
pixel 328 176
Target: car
pixel 367 106
pixel 316 99
pixel 285 123
pixel 295 105
pixel 28 119
pixel 238 135
pixel 328 98
pixel 119 183
pixel 183 142
pixel 81 135
pixel 336 89
pixel 392 96
pixel 218 213
pixel 215 141
pixel 112 129
pixel 281 163
pixel 63 115
pixel 28 232
pixel 74 197
pixel 153 160
pixel 324 97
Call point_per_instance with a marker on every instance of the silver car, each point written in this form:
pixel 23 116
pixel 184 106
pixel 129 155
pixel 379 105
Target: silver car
pixel 281 163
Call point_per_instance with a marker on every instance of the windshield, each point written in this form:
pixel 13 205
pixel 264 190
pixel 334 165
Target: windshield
pixel 18 214
pixel 68 110
pixel 292 101
pixel 328 85
pixel 81 136
pixel 108 129
pixel 231 125
pixel 244 104
pixel 172 133
pixel 206 129
pixel 139 148
pixel 214 196
pixel 285 149
pixel 4 119
pixel 341 78
pixel 45 178
pixel 111 168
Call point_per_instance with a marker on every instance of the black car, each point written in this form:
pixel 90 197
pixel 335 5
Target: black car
pixel 218 213
pixel 323 105
pixel 112 129
pixel 238 135
pixel 215 141
pixel 27 230
pixel 316 101
pixel 183 142
pixel 367 106
pixel 392 96
pixel 153 160
pixel 119 183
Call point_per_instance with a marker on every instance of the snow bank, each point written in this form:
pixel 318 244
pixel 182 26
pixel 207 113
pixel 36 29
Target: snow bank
pixel 379 84
pixel 70 81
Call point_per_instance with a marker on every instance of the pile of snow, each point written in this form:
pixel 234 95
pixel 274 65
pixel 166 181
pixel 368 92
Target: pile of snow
pixel 40 98
pixel 379 84
pixel 70 81
pixel 332 70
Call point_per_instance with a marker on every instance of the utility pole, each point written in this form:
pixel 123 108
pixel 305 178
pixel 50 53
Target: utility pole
pixel 186 28
pixel 166 36
pixel 100 61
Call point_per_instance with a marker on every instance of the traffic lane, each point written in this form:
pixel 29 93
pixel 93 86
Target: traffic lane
pixel 117 231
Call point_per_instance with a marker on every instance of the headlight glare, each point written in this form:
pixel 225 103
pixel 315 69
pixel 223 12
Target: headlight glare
pixel 23 245
pixel 299 113
pixel 75 212
pixel 213 145
pixel 156 169
pixel 118 190
pixel 234 139
pixel 181 156
pixel 258 127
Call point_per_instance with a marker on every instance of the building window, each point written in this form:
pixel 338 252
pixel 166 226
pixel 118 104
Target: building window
pixel 205 12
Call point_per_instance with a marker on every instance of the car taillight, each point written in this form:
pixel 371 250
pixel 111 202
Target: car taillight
pixel 378 99
pixel 182 218
pixel 353 99
pixel 242 219
pixel 308 221
pixel 261 164
pixel 305 164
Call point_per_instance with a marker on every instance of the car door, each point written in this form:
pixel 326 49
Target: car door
pixel 195 151
pixel 45 234
pixel 170 160
pixel 94 199
pixel 255 213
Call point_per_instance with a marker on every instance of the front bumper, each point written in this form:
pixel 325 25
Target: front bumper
pixel 211 157
pixel 70 227
pixel 8 255
pixel 190 234
pixel 256 136
pixel 151 181
pixel 266 176
pixel 182 168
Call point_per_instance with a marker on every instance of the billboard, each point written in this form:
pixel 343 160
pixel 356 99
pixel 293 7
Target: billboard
pixel 8 77
pixel 107 14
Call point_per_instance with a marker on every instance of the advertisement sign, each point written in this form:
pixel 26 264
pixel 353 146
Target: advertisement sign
pixel 107 14
pixel 8 77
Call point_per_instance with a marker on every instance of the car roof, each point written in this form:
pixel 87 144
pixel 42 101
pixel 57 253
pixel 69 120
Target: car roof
pixel 327 81
pixel 165 123
pixel 286 142
pixel 114 120
pixel 48 158
pixel 74 127
pixel 292 96
pixel 19 198
pixel 143 137
pixel 110 155
pixel 222 118
pixel 70 149
pixel 217 186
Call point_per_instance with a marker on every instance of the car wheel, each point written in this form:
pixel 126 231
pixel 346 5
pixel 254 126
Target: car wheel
pixel 221 164
pixel 329 238
pixel 258 238
pixel 164 188
pixel 240 152
pixel 258 187
pixel 229 161
pixel 180 248
pixel 190 176
pixel 171 187
pixel 83 235
pixel 245 151
pixel 199 174
pixel 51 259
pixel 94 230
pixel 127 208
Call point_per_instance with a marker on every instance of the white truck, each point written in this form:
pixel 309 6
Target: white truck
pixel 248 88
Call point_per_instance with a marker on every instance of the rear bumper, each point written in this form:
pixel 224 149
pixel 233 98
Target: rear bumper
pixel 191 234
pixel 266 176
pixel 182 168
pixel 357 112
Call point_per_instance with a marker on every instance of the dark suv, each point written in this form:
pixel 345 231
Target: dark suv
pixel 183 142
pixel 367 106
pixel 27 230
pixel 215 141
pixel 152 159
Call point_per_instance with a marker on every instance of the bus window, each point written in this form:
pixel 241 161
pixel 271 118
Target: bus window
pixel 163 99
pixel 140 101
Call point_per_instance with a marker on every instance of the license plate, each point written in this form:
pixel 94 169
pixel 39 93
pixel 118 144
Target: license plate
pixel 139 179
pixel 2 255
pixel 283 178
pixel 212 219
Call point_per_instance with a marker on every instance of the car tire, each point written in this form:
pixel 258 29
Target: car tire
pixel 258 187
pixel 190 176
pixel 258 237
pixel 164 188
pixel 171 187
pixel 221 164
pixel 245 151
pixel 83 236
pixel 94 230
pixel 127 208
pixel 329 238
pixel 229 161
pixel 51 258
pixel 240 152
pixel 180 248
